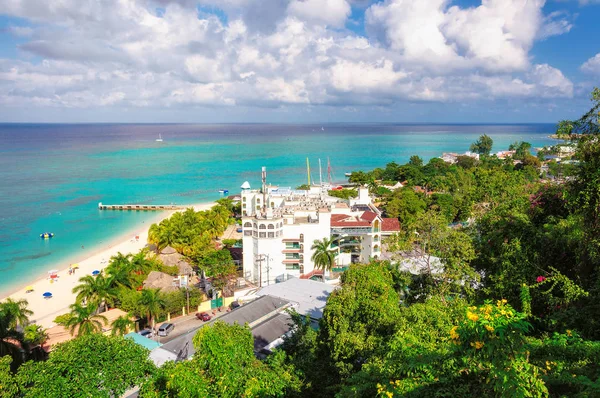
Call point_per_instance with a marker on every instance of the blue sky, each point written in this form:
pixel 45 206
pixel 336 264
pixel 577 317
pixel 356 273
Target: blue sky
pixel 297 60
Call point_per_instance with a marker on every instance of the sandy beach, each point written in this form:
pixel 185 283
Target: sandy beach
pixel 45 310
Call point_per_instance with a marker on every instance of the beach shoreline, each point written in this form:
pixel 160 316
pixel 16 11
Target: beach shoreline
pixel 45 310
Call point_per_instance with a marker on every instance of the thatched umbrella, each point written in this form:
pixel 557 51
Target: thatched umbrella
pixel 159 280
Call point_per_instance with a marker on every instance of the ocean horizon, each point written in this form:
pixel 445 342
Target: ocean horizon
pixel 53 176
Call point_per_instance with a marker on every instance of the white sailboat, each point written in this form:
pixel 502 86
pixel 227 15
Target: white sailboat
pixel 159 139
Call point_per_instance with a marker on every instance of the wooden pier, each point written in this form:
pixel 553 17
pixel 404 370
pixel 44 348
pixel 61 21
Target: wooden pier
pixel 102 206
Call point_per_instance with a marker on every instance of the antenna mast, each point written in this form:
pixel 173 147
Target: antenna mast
pixel 264 189
pixel 308 172
pixel 320 174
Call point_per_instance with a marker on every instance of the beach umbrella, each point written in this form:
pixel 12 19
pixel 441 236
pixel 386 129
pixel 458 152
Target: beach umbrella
pixel 95 272
pixel 29 289
pixel 47 295
pixel 75 266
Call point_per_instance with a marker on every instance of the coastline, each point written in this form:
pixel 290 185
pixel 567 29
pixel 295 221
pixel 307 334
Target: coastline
pixel 45 310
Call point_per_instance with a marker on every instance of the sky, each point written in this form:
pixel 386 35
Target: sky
pixel 295 61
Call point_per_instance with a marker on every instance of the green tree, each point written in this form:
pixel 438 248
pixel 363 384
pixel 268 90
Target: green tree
pixel 9 386
pixel 84 320
pixel 483 145
pixel 405 204
pixel 95 291
pixel 224 365
pixel 466 162
pixel 89 366
pixel 323 256
pixel 151 303
pixel 35 335
pixel 122 325
pixel 11 340
pixel 17 311
pixel 358 317
pixel 416 160
pixel 442 253
pixel 521 149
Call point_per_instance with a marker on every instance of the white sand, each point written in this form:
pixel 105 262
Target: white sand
pixel 45 310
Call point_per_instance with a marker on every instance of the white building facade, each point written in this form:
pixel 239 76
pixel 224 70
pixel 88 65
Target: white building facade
pixel 280 226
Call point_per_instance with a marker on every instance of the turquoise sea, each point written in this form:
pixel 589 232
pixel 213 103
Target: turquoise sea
pixel 53 176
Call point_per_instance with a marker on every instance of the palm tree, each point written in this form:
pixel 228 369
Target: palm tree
pixel 121 325
pixel 323 256
pixel 11 341
pixel 35 335
pixel 84 320
pixel 17 311
pixel 95 290
pixel 151 303
pixel 140 264
pixel 119 270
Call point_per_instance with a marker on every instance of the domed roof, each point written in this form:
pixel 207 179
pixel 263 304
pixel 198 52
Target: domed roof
pixel 245 185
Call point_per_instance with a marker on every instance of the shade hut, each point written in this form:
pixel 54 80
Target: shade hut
pixel 170 257
pixel 159 280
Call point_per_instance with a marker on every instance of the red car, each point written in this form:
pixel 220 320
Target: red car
pixel 203 316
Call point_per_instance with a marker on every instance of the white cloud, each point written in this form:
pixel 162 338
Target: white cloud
pixel 592 65
pixel 330 12
pixel 123 54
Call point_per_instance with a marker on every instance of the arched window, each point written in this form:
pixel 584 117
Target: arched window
pixel 270 226
pixel 262 226
pixel 255 225
pixel 244 199
pixel 248 225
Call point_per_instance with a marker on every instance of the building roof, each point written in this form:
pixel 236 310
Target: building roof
pixel 254 310
pixel 168 250
pixel 159 355
pixel 110 316
pixel 344 220
pixel 143 341
pixel 390 224
pixel 308 296
pixel 369 216
pixel 272 329
pixel 245 185
pixel 159 280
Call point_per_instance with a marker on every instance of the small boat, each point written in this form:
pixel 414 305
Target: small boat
pixel 47 235
pixel 159 139
pixel 322 129
pixel 348 174
pixel 224 191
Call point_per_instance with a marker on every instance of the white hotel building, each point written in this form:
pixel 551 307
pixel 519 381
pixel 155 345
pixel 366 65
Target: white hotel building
pixel 280 226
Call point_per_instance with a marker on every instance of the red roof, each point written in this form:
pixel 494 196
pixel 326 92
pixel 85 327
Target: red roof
pixel 369 216
pixel 390 224
pixel 344 220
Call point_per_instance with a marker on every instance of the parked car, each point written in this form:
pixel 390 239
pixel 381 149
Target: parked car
pixel 145 333
pixel 203 316
pixel 235 305
pixel 165 329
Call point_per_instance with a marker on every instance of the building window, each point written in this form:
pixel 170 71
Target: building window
pixel 273 204
pixel 292 267
pixel 376 248
pixel 255 234
pixel 271 234
pixel 257 200
pixel 291 256
pixel 291 246
pixel 376 238
pixel 244 205
pixel 255 225
pixel 270 226
pixel 262 235
pixel 262 226
pixel 248 225
pixel 244 199
pixel 257 207
pixel 248 233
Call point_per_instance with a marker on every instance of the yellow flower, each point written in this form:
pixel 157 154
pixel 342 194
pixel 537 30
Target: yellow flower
pixel 477 344
pixel 473 308
pixel 500 303
pixel 489 328
pixel 471 316
pixel 569 333
pixel 453 334
pixel 389 394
